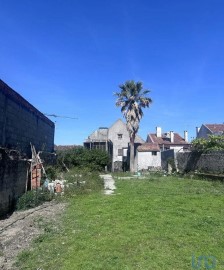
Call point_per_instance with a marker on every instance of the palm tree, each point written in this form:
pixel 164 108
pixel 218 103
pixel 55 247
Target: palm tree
pixel 132 98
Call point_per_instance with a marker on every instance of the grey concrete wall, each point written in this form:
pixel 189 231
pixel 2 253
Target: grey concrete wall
pixel 22 124
pixel 165 155
pixel 12 181
pixel 13 177
pixel 202 162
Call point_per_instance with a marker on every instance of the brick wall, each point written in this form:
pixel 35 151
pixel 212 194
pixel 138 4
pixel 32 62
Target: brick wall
pixel 22 124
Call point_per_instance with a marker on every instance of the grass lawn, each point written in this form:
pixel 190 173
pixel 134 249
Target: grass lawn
pixel 157 223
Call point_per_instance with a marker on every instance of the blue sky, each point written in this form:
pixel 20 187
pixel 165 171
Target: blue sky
pixel 67 57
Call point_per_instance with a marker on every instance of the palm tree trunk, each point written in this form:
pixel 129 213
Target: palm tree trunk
pixel 132 156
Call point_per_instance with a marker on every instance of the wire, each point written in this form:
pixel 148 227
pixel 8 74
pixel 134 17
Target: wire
pixel 61 116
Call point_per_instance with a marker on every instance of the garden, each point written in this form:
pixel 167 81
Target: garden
pixel 159 222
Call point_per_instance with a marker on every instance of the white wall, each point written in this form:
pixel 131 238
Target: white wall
pixel 177 148
pixel 146 159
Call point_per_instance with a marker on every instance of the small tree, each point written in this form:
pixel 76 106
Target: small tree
pixel 132 98
pixel 213 143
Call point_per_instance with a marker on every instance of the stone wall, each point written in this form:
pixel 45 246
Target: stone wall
pixel 22 124
pixel 185 162
pixel 212 162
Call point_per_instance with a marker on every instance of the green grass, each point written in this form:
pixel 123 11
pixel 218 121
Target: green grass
pixel 155 223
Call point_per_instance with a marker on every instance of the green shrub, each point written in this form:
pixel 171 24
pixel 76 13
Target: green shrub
pixel 51 172
pixel 33 198
pixel 213 143
pixel 94 160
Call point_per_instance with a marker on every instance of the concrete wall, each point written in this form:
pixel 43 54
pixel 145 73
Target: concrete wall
pixel 207 162
pixel 146 159
pixel 165 156
pixel 13 174
pixel 195 161
pixel 13 177
pixel 22 124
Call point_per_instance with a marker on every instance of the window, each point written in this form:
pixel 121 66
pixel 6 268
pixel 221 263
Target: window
pixel 119 136
pixel 120 152
pixel 154 153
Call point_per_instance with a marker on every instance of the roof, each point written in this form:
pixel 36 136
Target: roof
pixel 102 133
pixel 17 98
pixel 148 147
pixel 138 139
pixel 215 128
pixel 165 139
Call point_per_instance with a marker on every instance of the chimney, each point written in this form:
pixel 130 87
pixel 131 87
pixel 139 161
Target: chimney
pixel 171 136
pixel 158 132
pixel 197 131
pixel 186 136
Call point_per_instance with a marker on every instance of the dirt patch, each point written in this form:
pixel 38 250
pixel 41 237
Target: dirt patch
pixel 18 230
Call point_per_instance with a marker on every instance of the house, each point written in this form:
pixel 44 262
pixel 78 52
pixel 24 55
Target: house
pixel 209 129
pixel 149 154
pixel 169 140
pixel 115 140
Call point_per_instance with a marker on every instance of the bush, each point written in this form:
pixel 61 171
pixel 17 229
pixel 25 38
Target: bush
pixel 93 160
pixel 33 198
pixel 51 172
pixel 213 143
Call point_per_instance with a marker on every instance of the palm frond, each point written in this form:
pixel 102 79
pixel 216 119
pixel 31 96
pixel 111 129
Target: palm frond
pixel 132 98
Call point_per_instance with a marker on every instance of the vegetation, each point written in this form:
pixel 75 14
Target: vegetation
pixel 156 223
pixel 132 98
pixel 78 181
pixel 82 176
pixel 213 143
pixel 33 198
pixel 81 181
pixel 94 160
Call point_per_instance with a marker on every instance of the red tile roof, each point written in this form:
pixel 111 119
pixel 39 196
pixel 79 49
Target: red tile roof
pixel 165 139
pixel 215 128
pixel 147 147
